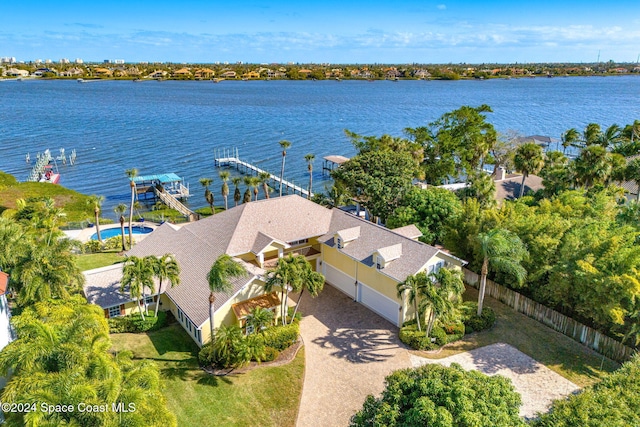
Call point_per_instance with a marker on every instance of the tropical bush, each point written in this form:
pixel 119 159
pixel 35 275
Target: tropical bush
pixel 134 323
pixel 270 354
pixel 612 402
pixel 281 337
pixel 440 335
pixel 94 246
pixel 434 395
pixel 232 349
pixel 473 322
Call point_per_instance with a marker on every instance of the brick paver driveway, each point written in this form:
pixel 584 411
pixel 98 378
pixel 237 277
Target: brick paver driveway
pixel 349 350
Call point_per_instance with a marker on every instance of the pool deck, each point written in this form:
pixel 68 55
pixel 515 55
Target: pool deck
pixel 85 234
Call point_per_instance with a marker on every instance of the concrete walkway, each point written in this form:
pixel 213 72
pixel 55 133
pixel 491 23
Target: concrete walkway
pixel 349 350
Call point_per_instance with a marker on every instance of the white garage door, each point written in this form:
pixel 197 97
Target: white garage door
pixel 338 279
pixel 379 303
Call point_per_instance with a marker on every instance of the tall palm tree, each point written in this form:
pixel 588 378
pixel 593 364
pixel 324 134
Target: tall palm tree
pixel 440 293
pixel 208 195
pixel 224 176
pixel 592 134
pixel 223 270
pixel 120 210
pixel 501 251
pixel 285 145
pixel 312 281
pixel 131 173
pixel 569 138
pixel 95 202
pixel 254 182
pixel 165 268
pixel 264 180
pixel 309 158
pixel 137 274
pixel 285 276
pixel 611 136
pixel 529 159
pixel 411 286
pixel 592 166
pixel 236 193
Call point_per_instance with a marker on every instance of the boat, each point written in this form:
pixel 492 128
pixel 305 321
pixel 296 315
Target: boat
pixel 217 79
pixel 49 175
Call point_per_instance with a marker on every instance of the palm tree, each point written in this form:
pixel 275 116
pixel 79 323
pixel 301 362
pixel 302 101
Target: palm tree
pixel 529 159
pixel 259 318
pixel 264 180
pixel 592 166
pixel 501 251
pixel 165 268
pixel 309 158
pixel 285 276
pixel 591 134
pixel 611 136
pixel 569 138
pixel 411 285
pixel 42 272
pixel 312 281
pixel 224 176
pixel 120 210
pixel 131 173
pixel 284 144
pixel 236 193
pixel 208 195
pixel 137 274
pixel 440 293
pixel 253 182
pixel 223 270
pixel 95 202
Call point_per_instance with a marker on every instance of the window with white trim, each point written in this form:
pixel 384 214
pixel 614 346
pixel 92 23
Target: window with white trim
pixel 114 311
pixel 379 262
pixel 148 299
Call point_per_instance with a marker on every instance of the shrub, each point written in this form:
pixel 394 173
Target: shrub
pixel 290 311
pixel 454 331
pixel 206 355
pixel 270 354
pixel 440 335
pixel 281 337
pixel 473 322
pixel 134 323
pixel 416 339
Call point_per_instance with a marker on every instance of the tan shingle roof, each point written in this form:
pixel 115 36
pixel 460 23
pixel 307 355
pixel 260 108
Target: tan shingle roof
pixel 389 253
pixel 509 188
pixel 349 234
pixel 103 286
pixel 410 231
pixel 241 229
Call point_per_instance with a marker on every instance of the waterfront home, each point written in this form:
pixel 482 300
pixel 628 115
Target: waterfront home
pixel 361 259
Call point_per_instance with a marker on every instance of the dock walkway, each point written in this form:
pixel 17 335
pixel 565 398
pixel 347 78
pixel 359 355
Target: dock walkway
pixel 171 201
pixel 231 158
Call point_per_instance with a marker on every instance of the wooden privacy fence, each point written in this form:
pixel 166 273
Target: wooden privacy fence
pixel 589 337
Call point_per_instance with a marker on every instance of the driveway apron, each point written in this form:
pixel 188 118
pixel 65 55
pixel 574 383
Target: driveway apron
pixel 349 350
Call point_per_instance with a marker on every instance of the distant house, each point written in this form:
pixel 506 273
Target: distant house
pixel 363 260
pixel 182 73
pixel 104 72
pixel 251 75
pixel 16 72
pixel 508 186
pixel 229 75
pixel 204 73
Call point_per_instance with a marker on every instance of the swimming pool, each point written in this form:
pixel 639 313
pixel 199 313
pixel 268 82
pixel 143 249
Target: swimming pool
pixel 113 232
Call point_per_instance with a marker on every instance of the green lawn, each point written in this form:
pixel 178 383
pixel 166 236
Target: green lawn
pixel 262 397
pixel 102 259
pixel 558 352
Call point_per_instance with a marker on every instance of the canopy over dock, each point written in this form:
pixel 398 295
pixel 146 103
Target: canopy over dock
pixel 330 162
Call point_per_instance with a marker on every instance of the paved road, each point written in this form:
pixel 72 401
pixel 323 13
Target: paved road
pixel 349 350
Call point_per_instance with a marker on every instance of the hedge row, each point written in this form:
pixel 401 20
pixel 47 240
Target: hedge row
pixel 440 335
pixel 134 323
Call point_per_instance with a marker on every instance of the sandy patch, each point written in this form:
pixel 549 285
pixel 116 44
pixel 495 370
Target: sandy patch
pixel 537 384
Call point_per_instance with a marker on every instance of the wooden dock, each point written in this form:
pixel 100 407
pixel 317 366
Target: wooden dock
pixel 171 201
pixel 231 158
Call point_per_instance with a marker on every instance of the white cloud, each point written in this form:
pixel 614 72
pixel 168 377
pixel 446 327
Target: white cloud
pixel 441 6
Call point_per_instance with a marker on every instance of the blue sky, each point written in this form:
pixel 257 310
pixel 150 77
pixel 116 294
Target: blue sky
pixel 346 31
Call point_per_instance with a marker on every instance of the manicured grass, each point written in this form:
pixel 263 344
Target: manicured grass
pixel 558 352
pixel 74 203
pixel 261 397
pixel 102 259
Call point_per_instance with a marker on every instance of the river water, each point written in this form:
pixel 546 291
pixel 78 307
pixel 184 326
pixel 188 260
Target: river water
pixel 175 126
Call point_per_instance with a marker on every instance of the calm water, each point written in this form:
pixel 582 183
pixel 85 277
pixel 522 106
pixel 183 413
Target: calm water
pixel 172 126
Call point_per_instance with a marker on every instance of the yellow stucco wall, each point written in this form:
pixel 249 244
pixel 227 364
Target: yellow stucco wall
pixel 371 277
pixel 339 260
